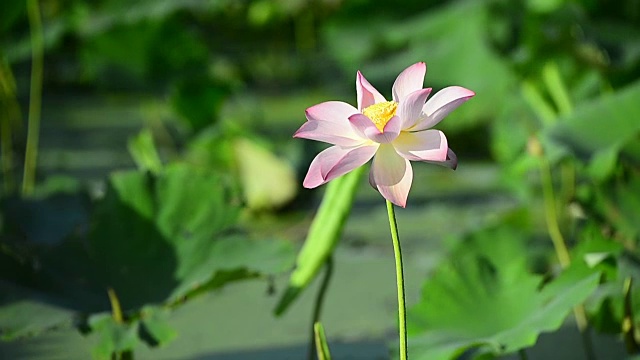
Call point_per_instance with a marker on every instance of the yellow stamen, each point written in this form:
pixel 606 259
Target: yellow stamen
pixel 381 113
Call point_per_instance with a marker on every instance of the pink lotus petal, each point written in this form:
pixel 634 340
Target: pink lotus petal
pixel 336 134
pixel 336 161
pixel 441 104
pixel 451 162
pixel 366 93
pixel 336 112
pixel 390 133
pixel 391 175
pixel 427 145
pixel 410 108
pixel 409 80
pixel 372 181
pixel 363 126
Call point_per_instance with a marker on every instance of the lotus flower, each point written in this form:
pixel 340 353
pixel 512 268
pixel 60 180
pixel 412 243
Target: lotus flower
pixel 393 133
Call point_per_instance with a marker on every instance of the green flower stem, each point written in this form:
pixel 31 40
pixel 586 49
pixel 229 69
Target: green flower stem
pixel 317 309
pixel 402 312
pixel 35 96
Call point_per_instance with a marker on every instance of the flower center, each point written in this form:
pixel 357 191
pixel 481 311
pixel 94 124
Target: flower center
pixel 381 113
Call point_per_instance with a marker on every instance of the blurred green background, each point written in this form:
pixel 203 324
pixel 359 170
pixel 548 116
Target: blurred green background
pixel 165 209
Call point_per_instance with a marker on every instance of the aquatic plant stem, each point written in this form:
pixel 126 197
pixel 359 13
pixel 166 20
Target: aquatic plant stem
pixel 6 145
pixel 551 214
pixel 35 96
pixel 317 309
pixel 629 329
pixel 549 116
pixel 116 310
pixel 321 342
pixel 559 94
pixel 560 246
pixel 9 117
pixel 118 317
pixel 402 310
